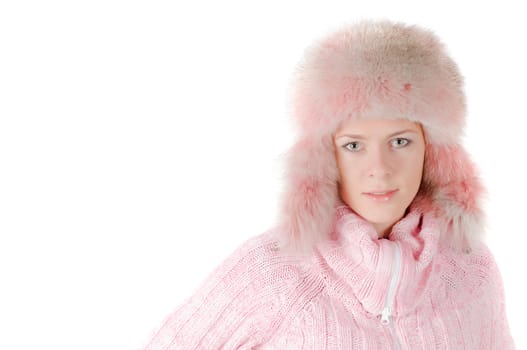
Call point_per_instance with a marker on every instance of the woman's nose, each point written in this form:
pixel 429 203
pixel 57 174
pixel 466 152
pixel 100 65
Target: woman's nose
pixel 379 163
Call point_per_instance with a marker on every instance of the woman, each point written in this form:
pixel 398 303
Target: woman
pixel 378 244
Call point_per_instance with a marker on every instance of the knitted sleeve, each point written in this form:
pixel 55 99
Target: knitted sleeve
pixel 235 306
pixel 500 333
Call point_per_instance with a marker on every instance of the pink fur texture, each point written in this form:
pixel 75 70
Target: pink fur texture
pixel 378 69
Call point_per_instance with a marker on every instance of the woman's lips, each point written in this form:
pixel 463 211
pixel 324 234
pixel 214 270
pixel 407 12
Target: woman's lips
pixel 380 196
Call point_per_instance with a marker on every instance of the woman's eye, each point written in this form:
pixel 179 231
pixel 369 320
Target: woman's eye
pixel 352 146
pixel 401 142
pixel 397 143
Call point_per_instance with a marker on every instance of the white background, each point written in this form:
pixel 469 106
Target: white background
pixel 139 145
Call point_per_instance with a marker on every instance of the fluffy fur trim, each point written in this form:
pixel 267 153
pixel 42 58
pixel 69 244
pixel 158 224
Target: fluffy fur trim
pixel 377 69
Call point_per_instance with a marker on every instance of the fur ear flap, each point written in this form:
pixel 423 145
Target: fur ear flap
pixel 457 193
pixel 310 194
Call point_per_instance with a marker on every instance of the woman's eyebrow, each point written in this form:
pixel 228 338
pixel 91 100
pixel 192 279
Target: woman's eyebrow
pixel 355 136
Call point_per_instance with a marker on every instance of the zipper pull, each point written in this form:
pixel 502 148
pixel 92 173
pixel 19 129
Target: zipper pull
pixel 385 315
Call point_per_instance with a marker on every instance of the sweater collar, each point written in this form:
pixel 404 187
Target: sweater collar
pixel 358 266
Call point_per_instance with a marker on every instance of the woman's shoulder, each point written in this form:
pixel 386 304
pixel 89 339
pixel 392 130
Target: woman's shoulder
pixel 478 259
pixel 474 272
pixel 261 259
pixel 263 283
pixel 244 300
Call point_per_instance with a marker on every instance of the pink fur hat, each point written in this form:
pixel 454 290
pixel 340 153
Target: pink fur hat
pixel 378 68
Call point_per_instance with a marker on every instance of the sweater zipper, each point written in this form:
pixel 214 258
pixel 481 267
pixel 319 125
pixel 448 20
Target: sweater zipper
pixel 386 314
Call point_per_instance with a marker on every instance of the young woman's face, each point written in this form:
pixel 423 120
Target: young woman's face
pixel 383 157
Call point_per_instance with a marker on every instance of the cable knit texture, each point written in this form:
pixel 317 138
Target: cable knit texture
pixel 432 296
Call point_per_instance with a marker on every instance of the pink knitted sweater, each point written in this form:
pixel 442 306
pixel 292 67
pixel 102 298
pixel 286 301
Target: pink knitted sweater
pixel 358 292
